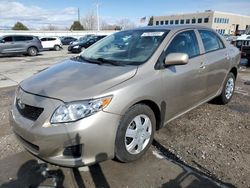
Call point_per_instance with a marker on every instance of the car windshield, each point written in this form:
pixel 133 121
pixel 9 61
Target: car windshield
pixel 133 47
pixel 82 39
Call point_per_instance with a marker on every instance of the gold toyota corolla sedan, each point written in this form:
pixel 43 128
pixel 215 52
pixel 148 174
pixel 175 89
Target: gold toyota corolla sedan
pixel 109 101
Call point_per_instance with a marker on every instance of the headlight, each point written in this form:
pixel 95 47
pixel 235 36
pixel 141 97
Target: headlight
pixel 76 46
pixel 74 111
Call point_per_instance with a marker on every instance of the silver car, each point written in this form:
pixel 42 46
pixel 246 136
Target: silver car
pixel 20 44
pixel 109 101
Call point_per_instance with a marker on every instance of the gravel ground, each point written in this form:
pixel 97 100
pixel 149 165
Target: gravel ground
pixel 213 138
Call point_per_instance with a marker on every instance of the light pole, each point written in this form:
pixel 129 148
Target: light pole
pixel 97 15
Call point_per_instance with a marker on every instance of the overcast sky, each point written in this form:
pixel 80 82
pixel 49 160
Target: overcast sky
pixel 61 13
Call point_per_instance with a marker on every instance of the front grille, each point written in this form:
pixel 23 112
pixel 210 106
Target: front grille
pixel 27 111
pixel 243 43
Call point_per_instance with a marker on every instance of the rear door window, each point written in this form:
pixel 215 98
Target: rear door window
pixel 51 39
pixel 185 42
pixel 211 41
pixel 29 38
pixel 19 38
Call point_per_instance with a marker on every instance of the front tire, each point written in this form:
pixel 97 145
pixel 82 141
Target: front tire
pixel 57 48
pixel 135 133
pixel 228 89
pixel 32 51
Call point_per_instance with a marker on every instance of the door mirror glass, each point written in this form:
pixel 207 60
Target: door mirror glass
pixel 176 59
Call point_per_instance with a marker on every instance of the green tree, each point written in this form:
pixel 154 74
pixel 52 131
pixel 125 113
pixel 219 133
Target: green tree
pixel 151 21
pixel 76 26
pixel 19 26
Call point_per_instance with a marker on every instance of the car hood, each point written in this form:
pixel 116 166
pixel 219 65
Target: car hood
pixel 72 80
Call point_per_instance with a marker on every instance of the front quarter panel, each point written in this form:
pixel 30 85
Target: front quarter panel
pixel 139 88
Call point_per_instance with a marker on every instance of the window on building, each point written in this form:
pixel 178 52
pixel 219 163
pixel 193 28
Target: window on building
pixel 157 23
pixel 187 21
pixel 210 41
pixel 206 20
pixel 176 22
pixel 171 22
pixel 193 21
pixel 162 22
pixel 199 20
pixel 220 20
pixel 185 42
pixel 182 21
pixel 215 20
pixel 166 22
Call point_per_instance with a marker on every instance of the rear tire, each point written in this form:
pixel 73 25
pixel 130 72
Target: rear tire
pixel 228 90
pixel 135 133
pixel 32 51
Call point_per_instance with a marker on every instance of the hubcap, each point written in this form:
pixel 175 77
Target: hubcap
pixel 229 88
pixel 32 51
pixel 138 134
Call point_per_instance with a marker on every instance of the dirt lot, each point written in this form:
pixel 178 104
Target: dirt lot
pixel 213 139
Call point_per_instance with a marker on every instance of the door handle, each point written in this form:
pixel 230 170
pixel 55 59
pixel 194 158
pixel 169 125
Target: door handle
pixel 203 65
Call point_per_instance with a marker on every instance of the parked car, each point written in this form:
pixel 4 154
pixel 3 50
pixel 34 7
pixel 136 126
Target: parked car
pixel 81 39
pixel 67 40
pixel 51 43
pixel 21 44
pixel 243 44
pixel 109 101
pixel 84 43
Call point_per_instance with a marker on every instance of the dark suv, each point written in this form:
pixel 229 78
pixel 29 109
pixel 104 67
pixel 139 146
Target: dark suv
pixel 23 44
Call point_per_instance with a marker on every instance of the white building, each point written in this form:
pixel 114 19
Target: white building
pixel 222 22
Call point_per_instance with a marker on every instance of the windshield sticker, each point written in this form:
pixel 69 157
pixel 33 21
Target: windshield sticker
pixel 152 34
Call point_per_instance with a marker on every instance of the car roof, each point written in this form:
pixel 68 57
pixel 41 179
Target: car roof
pixel 17 35
pixel 173 27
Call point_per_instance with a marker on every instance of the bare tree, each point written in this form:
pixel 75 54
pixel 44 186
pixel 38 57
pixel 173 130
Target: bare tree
pixel 126 24
pixel 50 27
pixel 89 21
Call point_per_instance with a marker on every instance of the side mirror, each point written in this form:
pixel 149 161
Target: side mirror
pixel 2 41
pixel 176 59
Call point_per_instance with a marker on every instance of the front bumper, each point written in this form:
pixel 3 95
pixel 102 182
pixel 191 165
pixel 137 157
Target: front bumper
pixel 94 134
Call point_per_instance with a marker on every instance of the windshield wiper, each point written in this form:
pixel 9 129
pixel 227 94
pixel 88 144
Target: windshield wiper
pixel 102 60
pixel 82 59
pixel 98 61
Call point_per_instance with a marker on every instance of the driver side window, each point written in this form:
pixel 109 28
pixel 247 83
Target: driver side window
pixel 185 42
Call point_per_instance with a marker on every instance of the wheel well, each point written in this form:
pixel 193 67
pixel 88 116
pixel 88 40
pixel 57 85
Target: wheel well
pixel 234 71
pixel 32 47
pixel 156 111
